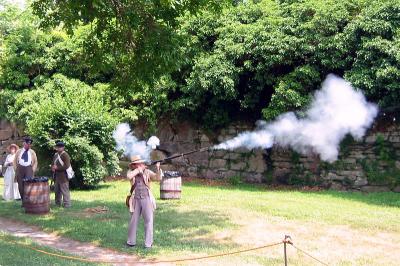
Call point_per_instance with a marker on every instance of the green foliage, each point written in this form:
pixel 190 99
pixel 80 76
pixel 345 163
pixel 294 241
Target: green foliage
pixel 382 171
pixel 375 36
pixel 259 59
pixel 140 35
pixel 252 60
pixel 30 55
pixel 384 151
pixel 268 177
pixel 345 145
pixel 235 180
pixel 67 109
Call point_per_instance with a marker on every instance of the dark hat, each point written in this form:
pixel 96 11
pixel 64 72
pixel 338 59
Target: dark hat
pixel 28 140
pixel 59 143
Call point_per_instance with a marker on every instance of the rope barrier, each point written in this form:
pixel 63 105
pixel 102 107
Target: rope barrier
pixel 287 240
pixel 143 262
pixel 308 254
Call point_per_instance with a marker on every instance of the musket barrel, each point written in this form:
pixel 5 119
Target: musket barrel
pixel 179 155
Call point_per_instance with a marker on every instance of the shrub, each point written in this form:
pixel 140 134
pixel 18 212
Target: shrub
pixel 70 110
pixel 235 180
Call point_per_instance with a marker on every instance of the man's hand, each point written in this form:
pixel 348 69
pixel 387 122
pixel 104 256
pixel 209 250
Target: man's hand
pixel 54 168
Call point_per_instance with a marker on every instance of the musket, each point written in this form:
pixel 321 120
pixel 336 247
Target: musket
pixel 179 155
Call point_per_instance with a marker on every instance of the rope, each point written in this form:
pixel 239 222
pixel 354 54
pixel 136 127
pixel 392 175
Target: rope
pixel 308 254
pixel 143 262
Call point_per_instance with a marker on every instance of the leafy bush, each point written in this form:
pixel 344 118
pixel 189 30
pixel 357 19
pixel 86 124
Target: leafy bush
pixel 235 180
pixel 70 110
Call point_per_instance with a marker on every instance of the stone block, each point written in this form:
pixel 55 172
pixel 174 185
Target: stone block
pixel 252 177
pixel 219 153
pixel 204 138
pixel 234 156
pixel 337 186
pixel 185 132
pixel 193 171
pixel 238 166
pixel 210 174
pixel 218 164
pixel 396 189
pixel 394 139
pixel 360 182
pixel 165 133
pixel 350 160
pixel 370 139
pixel 6 134
pixel 333 176
pixel 369 189
pixel 257 164
pixel 198 157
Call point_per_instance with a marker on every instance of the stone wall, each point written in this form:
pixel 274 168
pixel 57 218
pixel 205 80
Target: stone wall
pixel 183 137
pixel 9 133
pixel 371 164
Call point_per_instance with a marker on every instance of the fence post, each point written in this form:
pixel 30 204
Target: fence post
pixel 284 251
pixel 287 239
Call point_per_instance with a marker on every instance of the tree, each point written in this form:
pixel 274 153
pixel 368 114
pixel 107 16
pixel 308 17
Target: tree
pixel 141 35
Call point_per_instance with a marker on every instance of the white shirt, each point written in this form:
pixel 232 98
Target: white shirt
pixel 22 162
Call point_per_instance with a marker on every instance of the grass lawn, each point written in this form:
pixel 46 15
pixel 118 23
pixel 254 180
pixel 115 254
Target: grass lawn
pixel 339 228
pixel 20 255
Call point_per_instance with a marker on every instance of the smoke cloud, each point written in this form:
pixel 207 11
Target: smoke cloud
pixel 336 110
pixel 130 145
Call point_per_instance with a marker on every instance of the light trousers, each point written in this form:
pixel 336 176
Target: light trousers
pixel 143 207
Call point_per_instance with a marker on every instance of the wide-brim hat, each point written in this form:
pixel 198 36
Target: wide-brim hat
pixel 12 146
pixel 136 159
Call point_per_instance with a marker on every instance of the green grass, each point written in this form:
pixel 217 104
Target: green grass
pixel 191 226
pixel 12 254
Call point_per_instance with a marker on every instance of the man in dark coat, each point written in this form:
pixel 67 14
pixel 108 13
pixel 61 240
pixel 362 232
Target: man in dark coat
pixel 25 165
pixel 61 162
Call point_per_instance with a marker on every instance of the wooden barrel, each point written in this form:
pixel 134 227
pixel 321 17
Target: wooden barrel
pixel 170 185
pixel 36 197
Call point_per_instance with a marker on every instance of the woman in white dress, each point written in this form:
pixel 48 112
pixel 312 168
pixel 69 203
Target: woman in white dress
pixel 10 186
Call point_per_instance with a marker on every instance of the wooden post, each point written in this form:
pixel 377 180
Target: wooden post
pixel 287 239
pixel 284 251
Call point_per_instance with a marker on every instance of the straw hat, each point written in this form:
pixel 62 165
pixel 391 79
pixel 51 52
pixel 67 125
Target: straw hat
pixel 12 146
pixel 136 159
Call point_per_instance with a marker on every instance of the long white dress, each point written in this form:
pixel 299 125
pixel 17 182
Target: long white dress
pixel 11 191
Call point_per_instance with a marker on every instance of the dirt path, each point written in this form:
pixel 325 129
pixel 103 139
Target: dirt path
pixel 75 248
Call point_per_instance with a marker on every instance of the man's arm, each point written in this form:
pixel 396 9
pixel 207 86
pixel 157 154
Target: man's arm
pixel 34 161
pixel 157 176
pixel 131 174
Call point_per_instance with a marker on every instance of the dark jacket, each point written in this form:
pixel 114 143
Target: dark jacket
pixel 61 174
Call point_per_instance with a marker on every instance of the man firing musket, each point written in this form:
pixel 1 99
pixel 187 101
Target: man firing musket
pixel 141 201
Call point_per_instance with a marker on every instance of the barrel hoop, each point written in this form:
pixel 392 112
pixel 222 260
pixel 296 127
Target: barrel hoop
pixel 167 191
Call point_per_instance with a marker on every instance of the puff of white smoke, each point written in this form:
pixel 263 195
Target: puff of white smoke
pixel 130 145
pixel 153 142
pixel 336 110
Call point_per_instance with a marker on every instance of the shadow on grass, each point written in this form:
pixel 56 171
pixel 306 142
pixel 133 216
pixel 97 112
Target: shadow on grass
pixel 174 231
pixel 388 199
